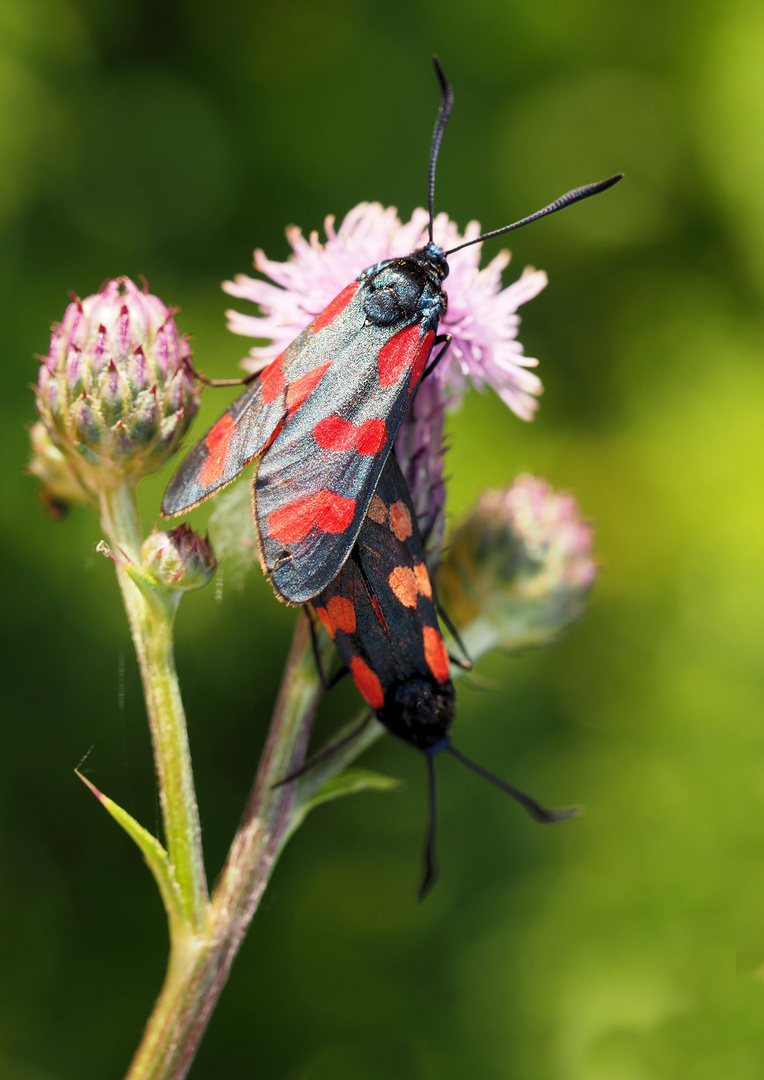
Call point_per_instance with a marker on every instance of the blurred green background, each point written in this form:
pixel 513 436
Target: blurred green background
pixel 171 138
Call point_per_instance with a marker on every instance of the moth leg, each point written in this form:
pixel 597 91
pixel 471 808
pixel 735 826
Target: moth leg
pixel 431 869
pixel 314 645
pixel 338 676
pixel 327 751
pixel 466 664
pixel 326 684
pixel 244 381
pixel 445 341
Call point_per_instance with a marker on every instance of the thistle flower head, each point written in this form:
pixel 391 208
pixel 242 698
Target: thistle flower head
pixel 115 391
pixel 521 563
pixel 482 320
pixel 482 317
pixel 179 559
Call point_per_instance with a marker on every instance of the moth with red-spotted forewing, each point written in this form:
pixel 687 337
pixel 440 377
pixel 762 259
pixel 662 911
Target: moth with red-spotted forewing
pixel 324 414
pixel 381 615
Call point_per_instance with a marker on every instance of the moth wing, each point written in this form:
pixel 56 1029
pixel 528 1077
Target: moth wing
pixel 391 555
pixel 347 611
pixel 314 486
pixel 235 439
pixel 248 425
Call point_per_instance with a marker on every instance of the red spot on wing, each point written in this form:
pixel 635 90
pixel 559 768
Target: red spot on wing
pixel 379 614
pixel 274 436
pixel 372 436
pixel 367 682
pixel 217 442
pixel 324 617
pixel 336 433
pixel 342 614
pixel 407 351
pixel 422 357
pixel 404 585
pixel 435 653
pixel 335 308
pixel 272 380
pixel 303 387
pixel 325 510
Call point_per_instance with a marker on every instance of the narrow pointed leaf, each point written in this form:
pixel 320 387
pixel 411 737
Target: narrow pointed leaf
pixel 349 782
pixel 154 854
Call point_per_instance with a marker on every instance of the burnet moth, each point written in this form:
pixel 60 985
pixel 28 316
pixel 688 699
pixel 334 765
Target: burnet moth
pixel 323 416
pixel 380 613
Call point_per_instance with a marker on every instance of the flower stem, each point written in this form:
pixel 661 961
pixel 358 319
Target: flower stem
pixel 192 989
pixel 151 623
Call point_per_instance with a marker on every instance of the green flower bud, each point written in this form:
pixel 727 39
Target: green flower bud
pixel 60 487
pixel 519 568
pixel 116 392
pixel 179 559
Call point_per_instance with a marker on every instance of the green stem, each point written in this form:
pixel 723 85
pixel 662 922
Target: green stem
pixel 191 990
pixel 151 623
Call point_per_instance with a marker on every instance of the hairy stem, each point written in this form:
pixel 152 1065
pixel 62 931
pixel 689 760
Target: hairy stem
pixel 151 624
pixel 191 992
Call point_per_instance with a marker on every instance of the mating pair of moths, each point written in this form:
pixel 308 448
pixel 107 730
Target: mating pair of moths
pixel 334 518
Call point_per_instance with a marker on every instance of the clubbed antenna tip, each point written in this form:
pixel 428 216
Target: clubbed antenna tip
pixel 568 199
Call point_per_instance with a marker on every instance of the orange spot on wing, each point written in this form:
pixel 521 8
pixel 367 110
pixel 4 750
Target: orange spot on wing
pixel 336 433
pixel 217 442
pixel 435 653
pixel 367 682
pixel 403 583
pixel 327 622
pixel 423 580
pixel 327 511
pixel 377 510
pixel 400 521
pixel 407 351
pixel 272 380
pixel 342 614
pixel 335 308
pixel 303 387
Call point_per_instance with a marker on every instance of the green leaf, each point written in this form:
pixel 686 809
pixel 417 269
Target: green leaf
pixel 349 782
pixel 155 855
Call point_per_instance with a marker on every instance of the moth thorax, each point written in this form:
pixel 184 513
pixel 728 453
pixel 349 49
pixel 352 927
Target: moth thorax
pixel 400 289
pixel 419 711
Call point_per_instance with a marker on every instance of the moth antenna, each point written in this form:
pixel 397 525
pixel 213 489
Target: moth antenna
pixel 446 101
pixel 536 811
pixel 431 870
pixel 322 755
pixel 570 197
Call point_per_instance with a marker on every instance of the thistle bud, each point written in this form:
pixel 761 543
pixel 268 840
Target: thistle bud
pixel 116 392
pixel 520 567
pixel 179 559
pixel 60 487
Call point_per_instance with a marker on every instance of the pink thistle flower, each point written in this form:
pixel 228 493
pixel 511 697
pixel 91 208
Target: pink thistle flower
pixel 116 391
pixel 522 563
pixel 481 318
